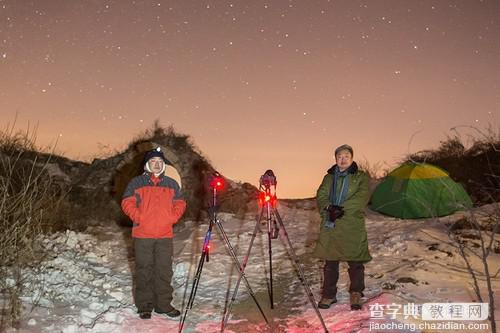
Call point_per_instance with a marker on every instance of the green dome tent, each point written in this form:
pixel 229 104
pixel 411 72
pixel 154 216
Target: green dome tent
pixel 419 190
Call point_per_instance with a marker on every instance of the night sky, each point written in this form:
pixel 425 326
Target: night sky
pixel 257 84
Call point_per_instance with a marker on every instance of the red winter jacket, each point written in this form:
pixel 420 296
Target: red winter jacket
pixel 154 204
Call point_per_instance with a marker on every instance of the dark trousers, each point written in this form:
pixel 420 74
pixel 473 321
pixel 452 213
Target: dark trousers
pixel 153 269
pixel 331 276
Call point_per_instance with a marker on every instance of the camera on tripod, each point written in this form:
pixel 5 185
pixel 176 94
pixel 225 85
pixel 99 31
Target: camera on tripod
pixel 268 199
pixel 216 183
pixel 268 179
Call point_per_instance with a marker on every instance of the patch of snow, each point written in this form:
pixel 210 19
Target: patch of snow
pixel 88 279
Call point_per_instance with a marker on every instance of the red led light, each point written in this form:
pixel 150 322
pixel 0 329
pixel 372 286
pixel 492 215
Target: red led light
pixel 264 198
pixel 217 183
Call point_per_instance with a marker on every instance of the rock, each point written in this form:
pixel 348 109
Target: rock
pixel 87 316
pixel 388 286
pixel 118 295
pixel 96 307
pixel 70 329
pixel 72 240
pixel 376 275
pixel 102 270
pixel 112 317
pixel 180 275
pixel 91 255
pixel 407 280
pixel 98 282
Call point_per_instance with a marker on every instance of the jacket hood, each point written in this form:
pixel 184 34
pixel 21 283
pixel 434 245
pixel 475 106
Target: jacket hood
pixel 148 169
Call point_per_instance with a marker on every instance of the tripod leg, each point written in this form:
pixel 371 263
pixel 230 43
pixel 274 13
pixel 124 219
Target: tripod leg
pixel 196 279
pixel 270 262
pixel 194 288
pixel 242 270
pixel 302 277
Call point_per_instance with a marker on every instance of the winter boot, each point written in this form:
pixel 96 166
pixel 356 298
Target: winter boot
pixel 355 301
pixel 172 313
pixel 325 303
pixel 145 315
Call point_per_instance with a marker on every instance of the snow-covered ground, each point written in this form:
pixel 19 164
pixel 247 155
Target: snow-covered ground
pixel 89 280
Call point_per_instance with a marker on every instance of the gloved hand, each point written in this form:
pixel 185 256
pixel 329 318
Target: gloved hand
pixel 335 212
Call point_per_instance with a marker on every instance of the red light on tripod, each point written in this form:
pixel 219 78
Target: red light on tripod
pixel 217 183
pixel 207 248
pixel 264 198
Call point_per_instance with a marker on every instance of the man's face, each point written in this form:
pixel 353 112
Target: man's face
pixel 343 159
pixel 155 164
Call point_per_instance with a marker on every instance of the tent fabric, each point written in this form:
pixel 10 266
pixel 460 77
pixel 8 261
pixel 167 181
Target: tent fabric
pixel 419 190
pixel 410 171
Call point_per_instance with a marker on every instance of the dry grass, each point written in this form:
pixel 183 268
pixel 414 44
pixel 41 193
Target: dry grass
pixel 375 171
pixel 476 236
pixel 28 201
pixel 177 141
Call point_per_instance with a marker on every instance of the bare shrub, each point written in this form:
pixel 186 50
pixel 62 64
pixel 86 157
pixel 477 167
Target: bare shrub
pixel 28 200
pixel 478 167
pixel 482 228
pixel 476 164
pixel 375 171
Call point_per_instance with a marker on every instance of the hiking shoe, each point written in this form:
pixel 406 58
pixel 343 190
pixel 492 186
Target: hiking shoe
pixel 145 315
pixel 171 313
pixel 355 301
pixel 325 303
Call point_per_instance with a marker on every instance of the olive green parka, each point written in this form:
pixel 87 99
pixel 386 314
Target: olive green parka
pixel 347 241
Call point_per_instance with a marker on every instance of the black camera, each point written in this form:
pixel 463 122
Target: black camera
pixel 268 179
pixel 335 212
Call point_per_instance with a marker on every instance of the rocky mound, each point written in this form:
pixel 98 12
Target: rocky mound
pixel 94 190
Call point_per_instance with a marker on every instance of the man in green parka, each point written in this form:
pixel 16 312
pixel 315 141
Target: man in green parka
pixel 341 198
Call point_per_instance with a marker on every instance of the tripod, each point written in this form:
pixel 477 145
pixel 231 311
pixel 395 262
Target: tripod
pixel 268 200
pixel 216 183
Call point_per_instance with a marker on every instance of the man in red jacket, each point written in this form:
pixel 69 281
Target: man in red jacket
pixel 154 203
